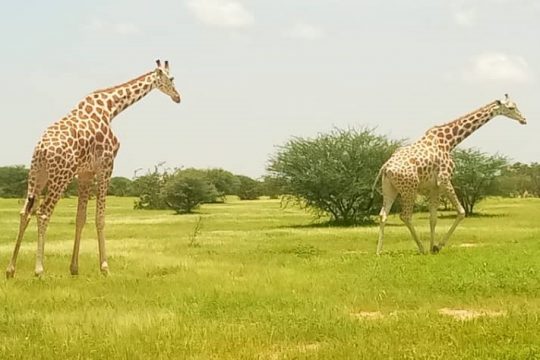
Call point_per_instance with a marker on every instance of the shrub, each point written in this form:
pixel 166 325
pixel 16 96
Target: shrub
pixel 186 190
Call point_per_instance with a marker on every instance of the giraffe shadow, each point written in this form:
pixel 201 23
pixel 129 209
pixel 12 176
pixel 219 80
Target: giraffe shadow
pixel 475 215
pixel 329 224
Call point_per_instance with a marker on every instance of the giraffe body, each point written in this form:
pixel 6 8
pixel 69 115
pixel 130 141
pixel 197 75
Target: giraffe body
pixel 82 145
pixel 426 167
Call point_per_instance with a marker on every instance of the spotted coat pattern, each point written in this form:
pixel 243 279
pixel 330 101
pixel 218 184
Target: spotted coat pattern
pixel 426 166
pixel 83 145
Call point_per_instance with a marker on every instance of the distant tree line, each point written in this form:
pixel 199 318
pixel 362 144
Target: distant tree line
pixel 330 174
pixel 182 190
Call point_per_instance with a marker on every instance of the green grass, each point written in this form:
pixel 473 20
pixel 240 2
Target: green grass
pixel 259 282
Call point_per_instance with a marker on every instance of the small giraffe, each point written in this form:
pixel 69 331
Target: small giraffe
pixel 82 145
pixel 426 166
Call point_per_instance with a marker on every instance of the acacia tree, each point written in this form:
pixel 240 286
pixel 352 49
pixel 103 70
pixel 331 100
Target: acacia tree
pixel 475 175
pixel 333 173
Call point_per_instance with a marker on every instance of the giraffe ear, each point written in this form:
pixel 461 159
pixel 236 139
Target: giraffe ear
pixel 498 102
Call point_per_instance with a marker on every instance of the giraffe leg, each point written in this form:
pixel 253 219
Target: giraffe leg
pixel 84 190
pixel 407 203
pixel 389 196
pixel 102 186
pixel 44 213
pixel 451 194
pixel 25 216
pixel 30 204
pixel 433 206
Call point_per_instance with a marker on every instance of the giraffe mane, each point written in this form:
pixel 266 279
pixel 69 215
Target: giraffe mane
pixel 112 88
pixel 462 117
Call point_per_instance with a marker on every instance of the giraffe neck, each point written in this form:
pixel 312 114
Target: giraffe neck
pixel 454 132
pixel 116 99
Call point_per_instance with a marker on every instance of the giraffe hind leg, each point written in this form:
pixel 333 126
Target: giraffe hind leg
pixel 407 203
pixel 389 196
pixel 35 187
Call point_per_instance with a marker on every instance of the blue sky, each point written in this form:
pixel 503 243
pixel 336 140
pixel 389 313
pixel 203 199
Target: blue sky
pixel 255 73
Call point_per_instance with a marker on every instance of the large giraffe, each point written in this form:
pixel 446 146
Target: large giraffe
pixel 427 167
pixel 82 144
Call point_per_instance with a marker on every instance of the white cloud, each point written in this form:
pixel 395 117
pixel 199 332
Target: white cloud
pixel 221 13
pixel 498 67
pixel 305 31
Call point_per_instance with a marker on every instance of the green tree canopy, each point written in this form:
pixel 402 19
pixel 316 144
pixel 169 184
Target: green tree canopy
pixel 333 173
pixel 186 190
pixel 474 176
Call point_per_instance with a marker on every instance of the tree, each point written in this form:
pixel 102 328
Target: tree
pixel 187 189
pixel 120 186
pixel 520 179
pixel 272 187
pixel 13 181
pixel 474 176
pixel 226 183
pixel 333 173
pixel 148 189
pixel 249 188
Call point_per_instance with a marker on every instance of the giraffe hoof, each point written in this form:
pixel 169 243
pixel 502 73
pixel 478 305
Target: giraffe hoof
pixel 39 273
pixel 10 272
pixel 435 249
pixel 74 271
pixel 104 269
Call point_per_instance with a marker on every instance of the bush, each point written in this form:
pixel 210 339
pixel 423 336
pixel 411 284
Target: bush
pixel 474 176
pixel 225 182
pixel 120 186
pixel 333 173
pixel 148 189
pixel 186 190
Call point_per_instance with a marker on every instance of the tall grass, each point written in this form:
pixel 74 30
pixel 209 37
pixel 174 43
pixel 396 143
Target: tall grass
pixel 249 280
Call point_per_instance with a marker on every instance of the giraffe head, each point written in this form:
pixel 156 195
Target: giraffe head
pixel 164 81
pixel 509 109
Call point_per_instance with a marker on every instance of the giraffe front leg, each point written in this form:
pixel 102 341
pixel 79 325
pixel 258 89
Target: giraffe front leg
pixel 433 206
pixel 451 194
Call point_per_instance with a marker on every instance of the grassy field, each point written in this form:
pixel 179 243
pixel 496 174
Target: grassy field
pixel 261 282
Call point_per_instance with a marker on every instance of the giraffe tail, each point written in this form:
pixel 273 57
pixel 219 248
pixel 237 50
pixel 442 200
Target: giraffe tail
pixel 374 187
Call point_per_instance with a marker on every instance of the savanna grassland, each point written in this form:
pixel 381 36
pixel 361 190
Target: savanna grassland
pixel 255 281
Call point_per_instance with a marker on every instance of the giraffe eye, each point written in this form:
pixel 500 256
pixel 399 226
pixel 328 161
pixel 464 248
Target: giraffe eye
pixel 172 78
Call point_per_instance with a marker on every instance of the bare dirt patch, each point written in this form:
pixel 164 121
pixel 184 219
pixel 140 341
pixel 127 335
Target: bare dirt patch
pixel 469 245
pixel 367 315
pixel 465 314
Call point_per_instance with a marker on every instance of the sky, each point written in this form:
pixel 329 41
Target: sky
pixel 255 73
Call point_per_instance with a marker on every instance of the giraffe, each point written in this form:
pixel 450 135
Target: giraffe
pixel 82 145
pixel 426 166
